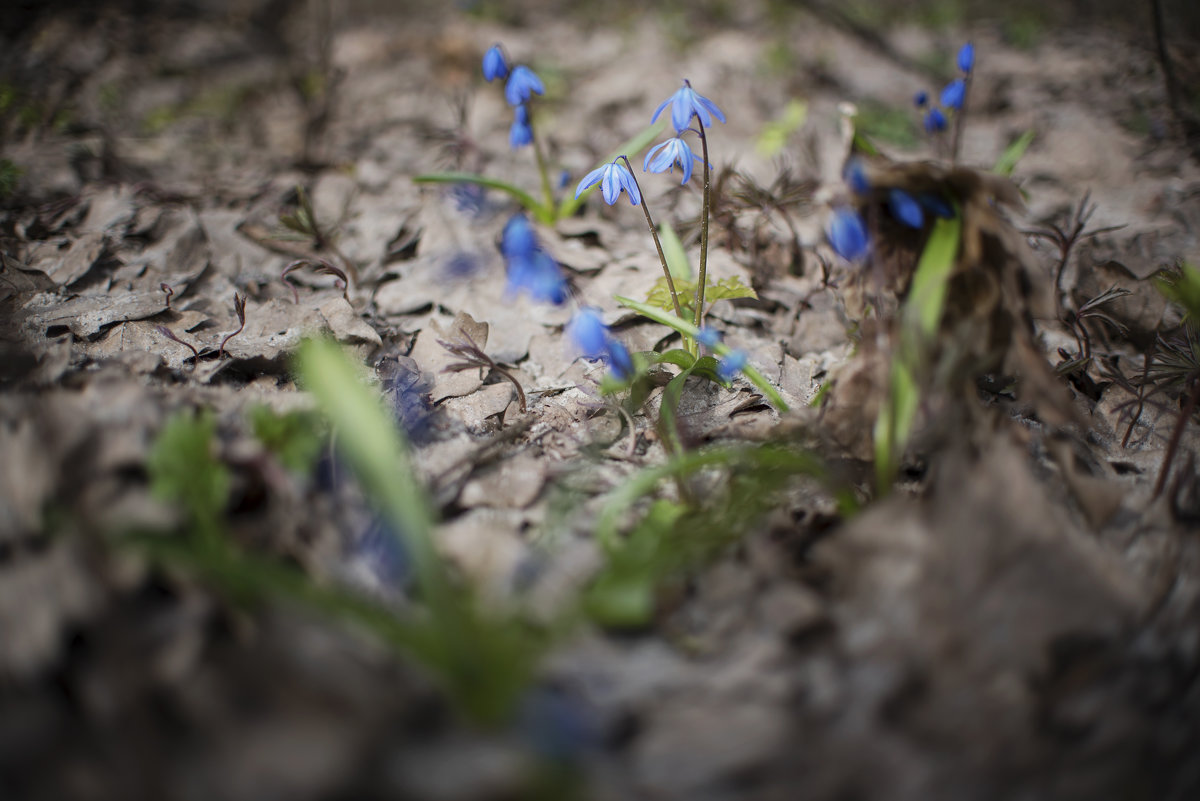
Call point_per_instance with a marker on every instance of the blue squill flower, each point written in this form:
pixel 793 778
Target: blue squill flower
pixel 905 208
pixel 935 121
pixel 729 366
pixel 855 175
pixel 921 99
pixel 665 156
pixel 619 360
pixel 521 133
pixel 954 94
pixel 539 275
pixel 966 57
pixel 522 84
pixel 518 239
pixel 847 234
pixel 685 104
pixel 708 337
pixel 494 65
pixel 936 205
pixel 587 333
pixel 613 178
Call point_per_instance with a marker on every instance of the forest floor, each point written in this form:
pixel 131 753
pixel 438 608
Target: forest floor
pixel 1019 617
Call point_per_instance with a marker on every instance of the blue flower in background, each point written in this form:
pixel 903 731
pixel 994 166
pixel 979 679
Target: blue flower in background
pixel 708 337
pixel 936 205
pixel 530 269
pixel 847 234
pixel 522 84
pixel 494 65
pixel 731 364
pixel 855 175
pixel 966 57
pixel 588 333
pixel 518 239
pixel 539 275
pixel 665 156
pixel 905 208
pixel 935 121
pixel 521 133
pixel 613 178
pixel 407 391
pixel 619 360
pixel 921 99
pixel 685 104
pixel 954 94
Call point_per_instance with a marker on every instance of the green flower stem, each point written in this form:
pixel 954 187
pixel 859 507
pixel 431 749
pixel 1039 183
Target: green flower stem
pixel 692 331
pixel 543 214
pixel 700 283
pixel 662 258
pixel 544 171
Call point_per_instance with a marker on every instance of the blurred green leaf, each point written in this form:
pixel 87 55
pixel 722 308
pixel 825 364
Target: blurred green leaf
pixel 677 260
pixel 1013 153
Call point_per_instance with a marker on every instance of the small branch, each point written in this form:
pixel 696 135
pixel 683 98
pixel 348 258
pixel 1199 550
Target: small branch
pixel 166 288
pixel 239 306
pixel 1184 415
pixel 474 357
pixel 169 334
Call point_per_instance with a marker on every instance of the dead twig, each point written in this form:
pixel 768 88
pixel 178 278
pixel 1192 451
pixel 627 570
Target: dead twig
pixel 473 356
pixel 322 267
pixel 239 306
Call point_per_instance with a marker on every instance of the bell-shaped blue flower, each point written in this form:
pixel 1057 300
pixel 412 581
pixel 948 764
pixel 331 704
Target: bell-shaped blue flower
pixel 731 364
pixel 708 337
pixel 494 65
pixel 518 239
pixel 847 234
pixel 522 84
pixel 539 275
pixel 936 205
pixel 613 178
pixel 935 121
pixel 855 175
pixel 587 333
pixel 687 103
pixel 665 156
pixel 619 360
pixel 966 57
pixel 905 208
pixel 954 94
pixel 521 132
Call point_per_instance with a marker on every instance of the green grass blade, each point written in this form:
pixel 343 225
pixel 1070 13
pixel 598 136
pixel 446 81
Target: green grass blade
pixel 539 210
pixel 1013 153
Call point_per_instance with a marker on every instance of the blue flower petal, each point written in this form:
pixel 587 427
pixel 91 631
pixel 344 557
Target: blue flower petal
pixel 855 175
pixel 966 57
pixel 935 121
pixel 905 208
pixel 936 205
pixel 847 234
pixel 731 364
pixel 494 65
pixel 665 156
pixel 619 360
pixel 590 180
pixel 521 132
pixel 518 239
pixel 685 104
pixel 954 94
pixel 708 337
pixel 921 99
pixel 522 84
pixel 587 333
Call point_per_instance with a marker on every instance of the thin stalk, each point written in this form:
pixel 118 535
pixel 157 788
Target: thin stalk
pixel 662 257
pixel 959 116
pixel 541 163
pixel 703 275
pixel 1184 415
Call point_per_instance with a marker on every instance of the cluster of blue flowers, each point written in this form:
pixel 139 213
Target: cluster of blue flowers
pixel 616 176
pixel 523 83
pixel 847 232
pixel 732 362
pixel 953 96
pixel 530 268
pixel 591 337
